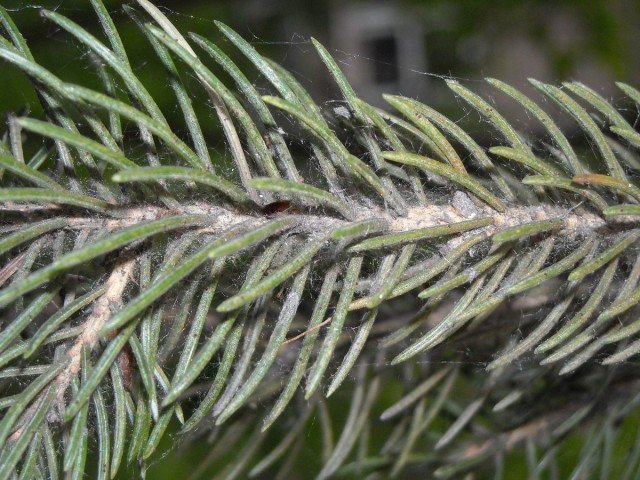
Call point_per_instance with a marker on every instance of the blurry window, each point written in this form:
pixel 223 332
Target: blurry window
pixel 383 51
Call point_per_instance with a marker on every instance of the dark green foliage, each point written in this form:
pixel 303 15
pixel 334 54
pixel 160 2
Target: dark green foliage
pixel 465 301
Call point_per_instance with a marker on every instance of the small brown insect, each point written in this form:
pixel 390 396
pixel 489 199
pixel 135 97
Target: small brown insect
pixel 126 364
pixel 277 208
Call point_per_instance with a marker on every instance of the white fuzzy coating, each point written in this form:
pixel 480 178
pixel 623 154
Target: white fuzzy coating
pixel 216 219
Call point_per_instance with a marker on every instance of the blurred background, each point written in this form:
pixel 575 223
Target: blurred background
pixel 392 46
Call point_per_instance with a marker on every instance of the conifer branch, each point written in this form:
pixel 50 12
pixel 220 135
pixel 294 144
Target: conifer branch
pixel 141 280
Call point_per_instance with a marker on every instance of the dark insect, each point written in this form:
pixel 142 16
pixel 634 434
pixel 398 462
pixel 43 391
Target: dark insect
pixel 125 362
pixel 277 208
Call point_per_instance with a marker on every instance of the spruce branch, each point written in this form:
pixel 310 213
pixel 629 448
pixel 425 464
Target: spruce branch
pixel 102 310
pixel 142 281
